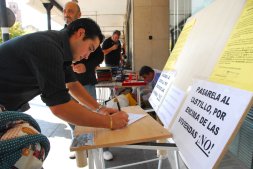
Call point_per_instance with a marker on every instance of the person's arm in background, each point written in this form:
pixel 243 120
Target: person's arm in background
pixel 107 48
pixel 79 67
pixel 95 59
pixel 106 51
pixel 121 60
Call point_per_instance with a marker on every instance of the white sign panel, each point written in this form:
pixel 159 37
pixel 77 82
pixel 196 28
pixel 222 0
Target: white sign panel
pixel 161 88
pixel 206 121
pixel 170 105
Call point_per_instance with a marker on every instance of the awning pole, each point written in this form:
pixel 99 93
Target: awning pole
pixel 4 21
pixel 48 7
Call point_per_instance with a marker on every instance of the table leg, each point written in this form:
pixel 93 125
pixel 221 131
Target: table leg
pixel 81 158
pixel 160 162
pixel 102 158
pixel 138 96
pixel 98 159
pixel 91 159
pixel 176 155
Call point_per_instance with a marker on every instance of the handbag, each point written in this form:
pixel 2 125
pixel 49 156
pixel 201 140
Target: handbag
pixel 22 146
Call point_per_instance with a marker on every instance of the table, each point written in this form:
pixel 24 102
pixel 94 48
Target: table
pixel 144 130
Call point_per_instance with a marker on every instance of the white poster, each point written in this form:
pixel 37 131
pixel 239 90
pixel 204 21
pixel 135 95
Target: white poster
pixel 170 105
pixel 161 88
pixel 206 121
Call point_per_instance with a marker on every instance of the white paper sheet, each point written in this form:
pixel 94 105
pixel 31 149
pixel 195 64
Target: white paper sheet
pixel 162 86
pixel 206 121
pixel 134 117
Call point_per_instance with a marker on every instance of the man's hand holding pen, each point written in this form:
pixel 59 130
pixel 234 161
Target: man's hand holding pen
pixel 117 119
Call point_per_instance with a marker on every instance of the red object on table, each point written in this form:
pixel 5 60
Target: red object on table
pixel 133 83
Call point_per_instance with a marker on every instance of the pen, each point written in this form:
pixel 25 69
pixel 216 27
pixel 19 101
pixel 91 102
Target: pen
pixel 116 100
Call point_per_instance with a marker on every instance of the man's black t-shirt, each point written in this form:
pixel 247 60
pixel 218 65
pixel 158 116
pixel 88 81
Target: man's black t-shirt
pixel 89 77
pixel 112 58
pixel 33 64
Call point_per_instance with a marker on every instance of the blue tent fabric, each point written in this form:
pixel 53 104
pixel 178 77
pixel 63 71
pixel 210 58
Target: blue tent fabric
pixel 11 150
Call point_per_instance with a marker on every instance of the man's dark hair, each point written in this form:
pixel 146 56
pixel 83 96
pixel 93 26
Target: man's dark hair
pixel 101 37
pixel 116 32
pixel 92 30
pixel 145 70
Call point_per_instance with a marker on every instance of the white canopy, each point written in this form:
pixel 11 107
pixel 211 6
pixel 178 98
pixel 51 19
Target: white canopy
pixel 109 14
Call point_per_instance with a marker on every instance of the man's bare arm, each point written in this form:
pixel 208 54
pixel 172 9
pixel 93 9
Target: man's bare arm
pixel 81 95
pixel 74 113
